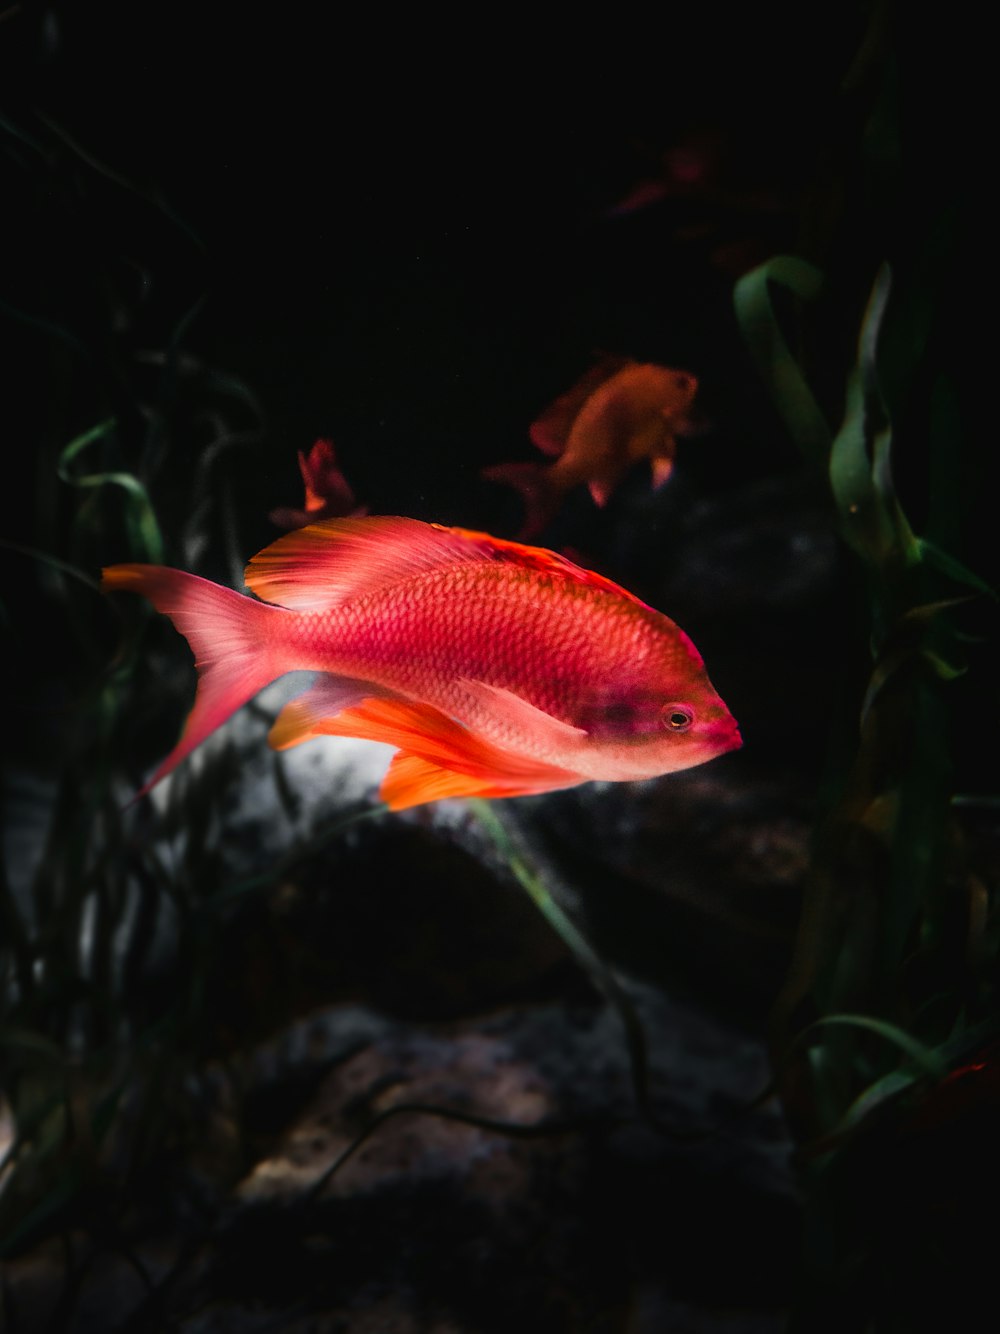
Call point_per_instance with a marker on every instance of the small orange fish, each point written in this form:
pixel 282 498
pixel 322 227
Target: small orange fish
pixel 621 411
pixel 328 493
pixel 497 669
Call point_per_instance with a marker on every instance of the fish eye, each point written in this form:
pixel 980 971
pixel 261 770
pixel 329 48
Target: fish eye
pixel 677 717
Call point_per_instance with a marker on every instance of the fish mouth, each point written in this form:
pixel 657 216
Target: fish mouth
pixel 723 735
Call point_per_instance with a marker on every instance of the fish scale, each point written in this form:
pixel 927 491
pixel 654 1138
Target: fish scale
pixel 537 632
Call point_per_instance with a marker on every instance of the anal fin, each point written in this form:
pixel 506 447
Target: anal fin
pixel 412 780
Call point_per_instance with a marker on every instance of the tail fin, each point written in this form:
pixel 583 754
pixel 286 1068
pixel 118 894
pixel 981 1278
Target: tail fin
pixel 541 497
pixel 235 640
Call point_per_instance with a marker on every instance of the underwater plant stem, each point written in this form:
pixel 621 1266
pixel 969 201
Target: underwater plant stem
pixel 570 934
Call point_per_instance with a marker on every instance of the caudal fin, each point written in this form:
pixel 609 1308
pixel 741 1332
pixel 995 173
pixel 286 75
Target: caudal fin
pixel 541 498
pixel 236 643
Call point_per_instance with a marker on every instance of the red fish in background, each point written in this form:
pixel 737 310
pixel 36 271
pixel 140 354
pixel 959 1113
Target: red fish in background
pixel 732 197
pixel 621 411
pixel 328 493
pixel 496 668
pixel 687 169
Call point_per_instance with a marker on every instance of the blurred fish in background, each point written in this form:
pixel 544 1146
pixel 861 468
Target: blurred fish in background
pixel 328 492
pixel 716 202
pixel 621 412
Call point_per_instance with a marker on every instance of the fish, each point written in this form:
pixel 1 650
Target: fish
pixel 689 168
pixel 328 494
pixel 727 196
pixel 497 669
pixel 620 412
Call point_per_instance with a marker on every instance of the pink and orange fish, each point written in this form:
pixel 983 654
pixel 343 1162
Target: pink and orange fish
pixel 620 412
pixel 497 669
pixel 328 492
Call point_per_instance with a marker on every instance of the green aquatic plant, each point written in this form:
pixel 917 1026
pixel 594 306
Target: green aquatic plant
pixel 80 917
pixel 892 983
pixel 108 923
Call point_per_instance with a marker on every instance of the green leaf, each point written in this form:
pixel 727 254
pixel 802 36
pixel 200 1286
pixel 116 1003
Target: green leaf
pixel 904 643
pixel 25 1039
pixel 52 1202
pixel 756 316
pixel 941 560
pixel 599 973
pixel 54 562
pixel 103 1117
pixel 926 1058
pixel 941 668
pixel 871 520
pixel 860 499
pixel 883 1090
pixel 868 339
pixel 143 527
pixel 850 476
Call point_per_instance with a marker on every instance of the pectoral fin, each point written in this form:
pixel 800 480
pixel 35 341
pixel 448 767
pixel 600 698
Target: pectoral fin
pixel 521 714
pixel 600 489
pixel 662 468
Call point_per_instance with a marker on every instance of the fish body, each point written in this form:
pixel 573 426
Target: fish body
pixel 621 412
pixel 496 668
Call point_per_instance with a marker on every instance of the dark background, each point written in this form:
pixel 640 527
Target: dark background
pixel 402 235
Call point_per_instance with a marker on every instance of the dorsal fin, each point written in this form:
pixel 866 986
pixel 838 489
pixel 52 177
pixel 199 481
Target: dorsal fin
pixel 329 562
pixel 551 430
pixel 338 559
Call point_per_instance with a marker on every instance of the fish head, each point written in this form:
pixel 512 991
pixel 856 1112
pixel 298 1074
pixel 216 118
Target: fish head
pixel 693 732
pixel 657 408
pixel 656 389
pixel 680 388
pixel 660 713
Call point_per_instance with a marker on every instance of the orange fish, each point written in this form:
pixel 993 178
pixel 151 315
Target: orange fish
pixel 328 493
pixel 497 669
pixel 621 411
